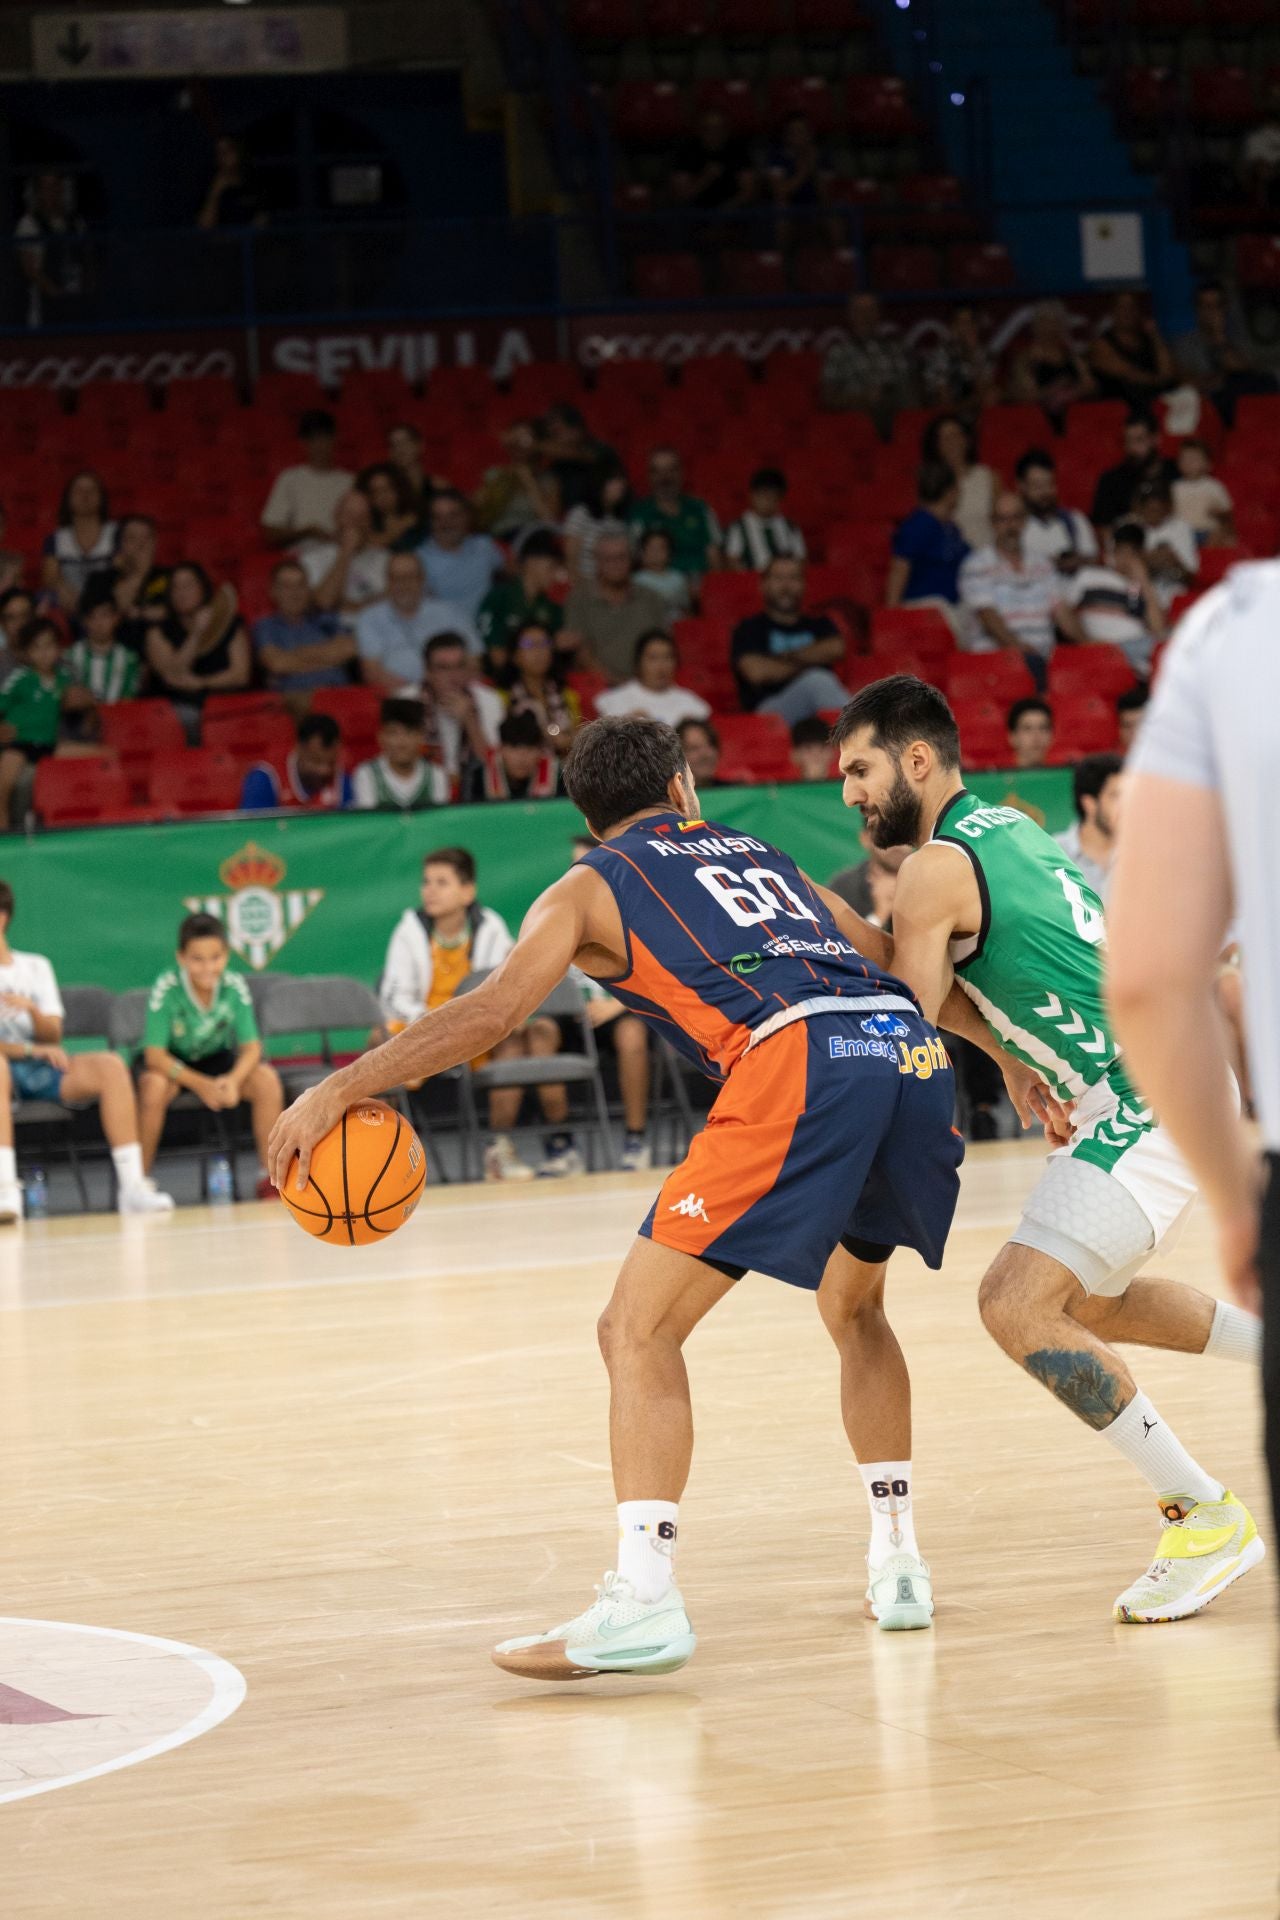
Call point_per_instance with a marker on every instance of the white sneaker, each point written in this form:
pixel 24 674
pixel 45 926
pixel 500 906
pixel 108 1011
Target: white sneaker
pixel 1203 1550
pixel 143 1196
pixel 559 1163
pixel 617 1634
pixel 10 1203
pixel 635 1157
pixel 502 1162
pixel 900 1593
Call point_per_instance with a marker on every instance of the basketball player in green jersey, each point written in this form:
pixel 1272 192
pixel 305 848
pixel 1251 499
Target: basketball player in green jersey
pixel 989 895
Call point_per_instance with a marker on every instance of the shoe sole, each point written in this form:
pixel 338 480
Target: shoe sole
pixel 1194 1603
pixel 901 1618
pixel 553 1660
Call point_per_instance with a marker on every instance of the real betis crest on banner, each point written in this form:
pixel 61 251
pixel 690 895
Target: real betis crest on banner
pixel 257 915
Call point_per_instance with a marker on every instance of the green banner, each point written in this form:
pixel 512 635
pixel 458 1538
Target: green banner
pixel 320 893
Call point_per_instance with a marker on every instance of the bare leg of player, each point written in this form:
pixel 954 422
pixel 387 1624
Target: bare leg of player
pixel 1164 1313
pixel 875 1402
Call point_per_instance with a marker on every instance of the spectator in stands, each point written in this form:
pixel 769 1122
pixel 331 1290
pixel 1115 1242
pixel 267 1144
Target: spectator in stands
pixel 460 565
pixel 518 495
pixel 763 531
pixel 783 659
pixel 606 509
pixel 1216 356
pixel 869 372
pixel 1260 155
pixel 51 252
pixel 32 702
pixel 1018 603
pixel 713 169
pixel 201 646
pixel 302 507
pixel 430 954
pixel 396 523
pixel 607 616
pixel 298 647
pixel 17 608
pixel 518 768
pixel 401 779
pixel 201 1035
pixel 83 543
pixel 314 776
pixel 1129 359
pixel 652 691
pixel 1113 496
pixel 1097 786
pixel 1200 499
pixel 140 586
pixel 522 599
pixel 1117 602
pixel 404 453
pixel 1052 532
pixel 533 681
pixel 694 530
pixel 391 634
pixel 854 883
pixel 98 662
pixel 34 1066
pixel 948 439
pixel 929 548
pixel 957 371
pixel 656 572
pixel 231 200
pixel 811 753
pixel 13 565
pixel 1173 556
pixel 462 714
pixel 1048 372
pixel 348 574
pixel 1030 732
pixel 701 745
pixel 575 462
pixel 797 173
pixel 1130 707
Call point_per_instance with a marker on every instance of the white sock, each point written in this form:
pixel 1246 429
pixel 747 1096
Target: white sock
pixel 128 1164
pixel 646 1545
pixel 8 1167
pixel 1156 1451
pixel 1234 1335
pixel 893 1521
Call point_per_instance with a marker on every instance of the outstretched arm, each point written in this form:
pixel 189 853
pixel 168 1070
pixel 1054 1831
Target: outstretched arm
pixel 552 933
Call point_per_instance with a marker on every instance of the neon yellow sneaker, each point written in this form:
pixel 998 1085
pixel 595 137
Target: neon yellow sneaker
pixel 900 1593
pixel 617 1634
pixel 1202 1550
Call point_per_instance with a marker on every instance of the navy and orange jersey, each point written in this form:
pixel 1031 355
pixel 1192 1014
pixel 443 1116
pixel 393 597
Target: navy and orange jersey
pixel 723 933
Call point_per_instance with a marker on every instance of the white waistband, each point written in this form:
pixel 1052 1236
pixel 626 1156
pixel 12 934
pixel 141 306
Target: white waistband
pixel 830 1003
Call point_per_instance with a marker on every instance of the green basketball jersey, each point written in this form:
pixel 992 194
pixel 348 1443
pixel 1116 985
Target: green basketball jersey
pixel 1034 968
pixel 178 1022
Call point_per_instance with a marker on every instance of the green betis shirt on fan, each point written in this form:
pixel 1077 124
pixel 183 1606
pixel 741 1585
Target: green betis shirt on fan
pixel 178 1022
pixel 1034 968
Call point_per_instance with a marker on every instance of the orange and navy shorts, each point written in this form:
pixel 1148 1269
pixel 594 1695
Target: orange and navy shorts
pixel 837 1128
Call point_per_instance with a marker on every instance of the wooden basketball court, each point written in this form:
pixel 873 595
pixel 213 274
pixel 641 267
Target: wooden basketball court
pixel 343 1475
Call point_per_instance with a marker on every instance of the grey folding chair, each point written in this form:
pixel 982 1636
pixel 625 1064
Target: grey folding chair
pixel 216 1131
pixel 86 1016
pixel 565 1004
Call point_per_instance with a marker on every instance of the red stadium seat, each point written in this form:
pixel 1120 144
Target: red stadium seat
pixel 648 113
pixel 753 19
pixel 755 747
pixel 729 597
pixel 761 273
pixel 137 730
pixel 922 631
pixel 1258 260
pixel 1083 723
pixel 984 732
pixel 1257 425
pixel 605 20
pixel 356 710
pixel 1093 669
pixel 904 269
pixel 829 19
pixel 668 276
pixel 1215 564
pixel 254 701
pixel 878 109
pixel 991 676
pixel 72 792
pixel 808 94
pixel 984 264
pixel 823 270
pixel 263 735
pixel 676 19
pixel 197 780
pixel 1223 97
pixel 736 99
pixel 1148 95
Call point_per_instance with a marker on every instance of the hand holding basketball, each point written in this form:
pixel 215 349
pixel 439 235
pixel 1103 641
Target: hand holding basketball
pixel 363 1177
pixel 299 1130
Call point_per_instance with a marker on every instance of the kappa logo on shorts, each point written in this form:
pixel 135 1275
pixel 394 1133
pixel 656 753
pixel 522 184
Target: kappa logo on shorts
pixel 886 1026
pixel 691 1207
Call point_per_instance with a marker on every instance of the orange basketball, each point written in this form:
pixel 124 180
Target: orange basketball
pixel 366 1178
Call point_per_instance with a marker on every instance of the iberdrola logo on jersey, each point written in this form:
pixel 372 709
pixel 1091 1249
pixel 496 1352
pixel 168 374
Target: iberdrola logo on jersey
pixel 258 917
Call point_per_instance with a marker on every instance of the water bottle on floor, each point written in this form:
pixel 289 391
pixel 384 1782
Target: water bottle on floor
pixel 222 1189
pixel 37 1195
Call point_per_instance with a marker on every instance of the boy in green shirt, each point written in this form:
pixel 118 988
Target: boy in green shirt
pixel 693 528
pixel 31 705
pixel 98 662
pixel 201 1034
pixel 523 601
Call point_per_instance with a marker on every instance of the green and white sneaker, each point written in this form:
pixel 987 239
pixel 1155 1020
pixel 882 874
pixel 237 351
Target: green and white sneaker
pixel 900 1593
pixel 617 1634
pixel 1203 1549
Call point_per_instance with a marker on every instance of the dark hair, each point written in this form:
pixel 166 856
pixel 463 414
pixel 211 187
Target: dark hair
pixel 772 477
pixel 899 710
pixel 28 635
pixel 315 422
pixel 1211 286
pixel 647 534
pixel 404 497
pixel 567 414
pixel 200 926
pixel 456 857
pixel 403 713
pixel 1201 446
pixel 290 564
pixel 132 520
pixel 540 544
pixel 786 560
pixel 646 640
pixel 64 505
pixel 188 566
pixel 1142 417
pixel 11 594
pixel 1091 775
pixel 811 732
pixel 521 729
pixel 510 675
pixel 1032 704
pixel 1153 489
pixel 1032 458
pixel 1133 699
pixel 617 767
pixel 704 726
pixel 449 493
pixel 932 434
pixel 319 726
pixel 934 482
pixel 6 899
pixel 437 644
pixel 1129 533
pixel 598 478
pixel 97 593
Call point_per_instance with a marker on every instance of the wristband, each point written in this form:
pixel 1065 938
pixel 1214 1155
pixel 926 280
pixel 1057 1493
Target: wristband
pixel 175 1069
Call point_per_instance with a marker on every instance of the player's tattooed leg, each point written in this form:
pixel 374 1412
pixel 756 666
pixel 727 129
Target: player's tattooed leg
pixel 1081 1381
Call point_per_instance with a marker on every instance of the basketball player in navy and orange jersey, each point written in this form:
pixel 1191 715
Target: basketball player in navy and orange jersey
pixel 829 1144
